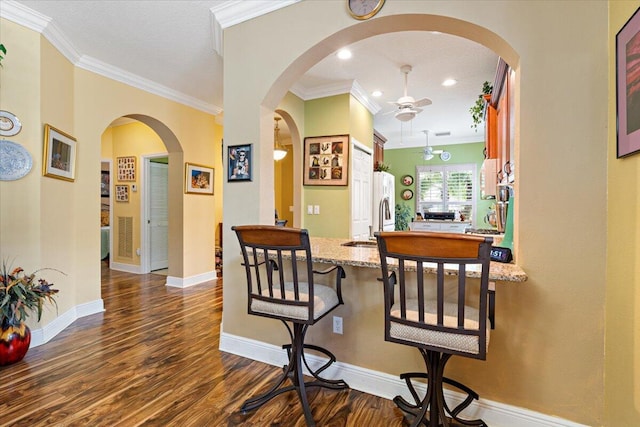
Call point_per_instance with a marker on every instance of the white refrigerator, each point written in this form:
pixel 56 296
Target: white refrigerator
pixel 383 202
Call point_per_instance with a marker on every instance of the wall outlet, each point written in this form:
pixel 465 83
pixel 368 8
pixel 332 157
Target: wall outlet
pixel 316 210
pixel 309 209
pixel 337 325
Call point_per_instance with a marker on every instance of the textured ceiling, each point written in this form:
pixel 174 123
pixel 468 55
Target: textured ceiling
pixel 172 44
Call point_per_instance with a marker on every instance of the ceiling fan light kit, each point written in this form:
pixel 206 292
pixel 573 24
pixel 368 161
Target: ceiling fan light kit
pixel 407 105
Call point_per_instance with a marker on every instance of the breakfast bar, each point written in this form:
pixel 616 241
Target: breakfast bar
pixel 365 360
pixel 364 253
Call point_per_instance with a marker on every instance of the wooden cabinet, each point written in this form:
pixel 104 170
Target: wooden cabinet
pixel 378 148
pixel 491 130
pixel 500 124
pixel 488 179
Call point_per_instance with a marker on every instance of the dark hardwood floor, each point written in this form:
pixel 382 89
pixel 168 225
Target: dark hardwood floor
pixel 152 359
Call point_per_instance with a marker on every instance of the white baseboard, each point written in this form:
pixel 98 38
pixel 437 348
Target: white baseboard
pixel 185 282
pixel 388 386
pixel 175 282
pixel 128 268
pixel 43 335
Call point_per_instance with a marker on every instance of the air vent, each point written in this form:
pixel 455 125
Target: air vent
pixel 125 236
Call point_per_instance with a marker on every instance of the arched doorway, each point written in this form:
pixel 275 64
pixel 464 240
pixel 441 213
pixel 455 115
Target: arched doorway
pixel 138 141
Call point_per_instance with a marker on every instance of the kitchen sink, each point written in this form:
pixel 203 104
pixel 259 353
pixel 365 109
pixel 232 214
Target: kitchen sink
pixel 361 244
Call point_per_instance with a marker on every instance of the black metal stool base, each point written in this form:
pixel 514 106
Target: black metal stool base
pixel 294 372
pixel 433 410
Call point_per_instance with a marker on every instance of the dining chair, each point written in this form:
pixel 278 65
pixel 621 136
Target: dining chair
pixel 437 299
pixel 281 285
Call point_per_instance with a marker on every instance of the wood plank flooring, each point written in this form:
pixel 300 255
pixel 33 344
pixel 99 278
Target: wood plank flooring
pixel 152 359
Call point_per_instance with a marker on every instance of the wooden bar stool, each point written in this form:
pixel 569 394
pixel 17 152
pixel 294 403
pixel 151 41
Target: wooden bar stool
pixel 419 312
pixel 279 289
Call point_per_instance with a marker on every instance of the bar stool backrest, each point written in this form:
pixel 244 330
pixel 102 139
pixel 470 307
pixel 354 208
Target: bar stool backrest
pixel 277 286
pixel 442 279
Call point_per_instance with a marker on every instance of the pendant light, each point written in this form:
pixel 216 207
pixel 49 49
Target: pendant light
pixel 279 152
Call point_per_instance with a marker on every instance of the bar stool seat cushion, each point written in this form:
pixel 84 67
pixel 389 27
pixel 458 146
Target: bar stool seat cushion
pixel 324 299
pixel 452 341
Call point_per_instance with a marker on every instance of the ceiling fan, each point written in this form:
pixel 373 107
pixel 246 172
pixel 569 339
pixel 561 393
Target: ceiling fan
pixel 428 151
pixel 407 105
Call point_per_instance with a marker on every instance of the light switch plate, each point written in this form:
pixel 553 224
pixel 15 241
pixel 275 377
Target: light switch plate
pixel 316 210
pixel 309 209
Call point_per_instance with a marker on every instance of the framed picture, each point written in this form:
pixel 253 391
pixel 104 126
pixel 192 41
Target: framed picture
pixel 326 160
pixel 127 168
pixel 59 154
pixel 104 183
pixel 122 193
pixel 198 179
pixel 628 87
pixel 407 194
pixel 239 162
pixel 407 180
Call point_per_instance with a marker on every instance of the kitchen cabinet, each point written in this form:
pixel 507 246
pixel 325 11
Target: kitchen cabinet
pixel 500 124
pixel 440 226
pixel 378 148
pixel 488 179
pixel 491 130
pixel 502 98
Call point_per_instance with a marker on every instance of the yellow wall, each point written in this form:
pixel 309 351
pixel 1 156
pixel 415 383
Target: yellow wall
pixel 129 140
pixel 622 368
pixel 547 353
pixel 54 223
pixel 291 108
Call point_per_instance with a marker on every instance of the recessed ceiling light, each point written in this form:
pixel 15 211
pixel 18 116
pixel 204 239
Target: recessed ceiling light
pixel 344 54
pixel 449 82
pixel 376 93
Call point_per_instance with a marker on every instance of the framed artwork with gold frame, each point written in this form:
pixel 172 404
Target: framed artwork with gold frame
pixel 59 154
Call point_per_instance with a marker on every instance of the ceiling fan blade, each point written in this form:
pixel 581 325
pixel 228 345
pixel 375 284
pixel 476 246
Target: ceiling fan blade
pixel 422 102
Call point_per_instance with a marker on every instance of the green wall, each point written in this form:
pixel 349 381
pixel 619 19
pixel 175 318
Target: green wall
pixel 334 115
pixel 403 161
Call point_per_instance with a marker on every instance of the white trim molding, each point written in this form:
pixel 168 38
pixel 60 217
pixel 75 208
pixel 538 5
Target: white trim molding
pixel 46 333
pixel 185 282
pixel 387 386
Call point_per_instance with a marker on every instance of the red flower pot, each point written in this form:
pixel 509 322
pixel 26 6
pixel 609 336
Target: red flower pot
pixel 14 343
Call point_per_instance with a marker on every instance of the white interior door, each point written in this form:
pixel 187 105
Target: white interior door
pixel 361 184
pixel 158 224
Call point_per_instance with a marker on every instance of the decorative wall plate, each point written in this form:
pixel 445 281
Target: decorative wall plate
pixel 407 180
pixel 15 161
pixel 9 124
pixel 407 194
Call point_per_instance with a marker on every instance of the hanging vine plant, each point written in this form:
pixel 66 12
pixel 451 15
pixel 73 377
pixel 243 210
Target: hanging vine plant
pixel 477 110
pixel 3 52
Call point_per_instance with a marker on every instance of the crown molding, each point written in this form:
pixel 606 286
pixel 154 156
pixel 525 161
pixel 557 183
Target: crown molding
pixel 351 87
pixel 22 15
pixel 229 13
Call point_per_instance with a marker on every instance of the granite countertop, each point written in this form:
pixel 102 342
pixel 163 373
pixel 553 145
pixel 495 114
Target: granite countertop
pixel 331 251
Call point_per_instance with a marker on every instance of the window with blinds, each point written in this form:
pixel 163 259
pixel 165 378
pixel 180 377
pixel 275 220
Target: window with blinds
pixel 447 188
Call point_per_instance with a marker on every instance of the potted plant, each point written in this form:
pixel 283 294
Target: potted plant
pixel 403 217
pixel 20 294
pixel 477 110
pixel 381 167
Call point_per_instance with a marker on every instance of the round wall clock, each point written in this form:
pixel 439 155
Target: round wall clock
pixel 445 156
pixel 407 194
pixel 9 124
pixel 364 9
